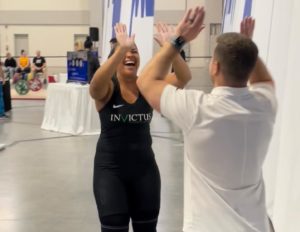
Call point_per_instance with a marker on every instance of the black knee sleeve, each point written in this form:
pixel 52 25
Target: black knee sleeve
pixel 115 223
pixel 145 221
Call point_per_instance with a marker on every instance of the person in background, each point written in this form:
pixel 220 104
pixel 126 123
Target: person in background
pixel 93 61
pixel 9 69
pixel 23 63
pixel 2 82
pixel 78 46
pixel 10 62
pixel 38 64
pixel 113 43
pixel 226 132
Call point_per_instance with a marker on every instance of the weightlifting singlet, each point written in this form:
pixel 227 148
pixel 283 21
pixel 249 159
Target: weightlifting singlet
pixel 126 176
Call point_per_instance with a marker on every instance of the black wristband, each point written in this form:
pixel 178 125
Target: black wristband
pixel 178 42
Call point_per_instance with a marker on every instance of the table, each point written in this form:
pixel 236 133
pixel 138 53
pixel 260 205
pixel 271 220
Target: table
pixel 70 109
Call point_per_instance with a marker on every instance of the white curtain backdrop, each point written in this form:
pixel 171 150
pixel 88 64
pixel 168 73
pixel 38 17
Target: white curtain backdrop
pixel 286 211
pixel 277 35
pixel 138 15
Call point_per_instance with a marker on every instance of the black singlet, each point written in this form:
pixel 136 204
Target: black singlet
pixel 123 125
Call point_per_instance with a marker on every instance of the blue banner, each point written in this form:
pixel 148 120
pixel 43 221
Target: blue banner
pixel 77 67
pixel 247 8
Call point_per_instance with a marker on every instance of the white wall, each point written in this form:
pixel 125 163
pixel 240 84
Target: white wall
pixel 38 35
pixel 277 34
pixel 283 60
pixel 200 46
pixel 272 37
pixel 170 5
pixel 47 5
pixel 51 40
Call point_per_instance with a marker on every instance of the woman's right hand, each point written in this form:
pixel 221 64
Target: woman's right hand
pixel 122 37
pixel 164 33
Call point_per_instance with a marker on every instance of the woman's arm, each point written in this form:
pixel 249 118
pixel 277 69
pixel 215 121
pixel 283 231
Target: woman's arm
pixel 101 86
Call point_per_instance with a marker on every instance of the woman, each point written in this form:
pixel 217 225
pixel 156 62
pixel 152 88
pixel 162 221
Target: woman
pixel 126 177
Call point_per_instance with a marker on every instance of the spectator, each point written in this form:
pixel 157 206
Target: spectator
pixel 38 63
pixel 113 43
pixel 9 68
pixel 93 62
pixel 78 46
pixel 24 63
pixel 10 62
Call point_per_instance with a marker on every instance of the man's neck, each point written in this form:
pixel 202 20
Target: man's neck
pixel 221 82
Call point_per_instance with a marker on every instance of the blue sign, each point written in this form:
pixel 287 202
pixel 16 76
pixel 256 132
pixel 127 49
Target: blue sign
pixel 77 66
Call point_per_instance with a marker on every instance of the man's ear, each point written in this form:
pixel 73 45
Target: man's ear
pixel 215 68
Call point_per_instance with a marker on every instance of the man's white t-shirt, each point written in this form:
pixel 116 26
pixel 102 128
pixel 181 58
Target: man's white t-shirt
pixel 226 138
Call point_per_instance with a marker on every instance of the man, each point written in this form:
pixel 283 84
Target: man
pixel 93 62
pixel 10 62
pixel 39 63
pixel 226 132
pixel 113 43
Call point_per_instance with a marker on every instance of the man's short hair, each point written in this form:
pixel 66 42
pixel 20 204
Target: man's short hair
pixel 88 44
pixel 237 56
pixel 113 40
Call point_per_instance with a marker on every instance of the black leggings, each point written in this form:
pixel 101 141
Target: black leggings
pixel 127 191
pixel 144 222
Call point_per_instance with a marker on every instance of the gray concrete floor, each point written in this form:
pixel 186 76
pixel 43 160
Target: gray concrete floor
pixel 46 177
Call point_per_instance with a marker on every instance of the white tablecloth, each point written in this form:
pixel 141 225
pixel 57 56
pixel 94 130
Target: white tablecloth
pixel 70 109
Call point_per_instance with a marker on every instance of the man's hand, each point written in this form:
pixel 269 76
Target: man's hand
pixel 191 24
pixel 247 27
pixel 164 33
pixel 122 36
pixel 260 72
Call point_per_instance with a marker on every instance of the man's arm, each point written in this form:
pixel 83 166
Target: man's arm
pixel 150 82
pixel 182 74
pixel 260 72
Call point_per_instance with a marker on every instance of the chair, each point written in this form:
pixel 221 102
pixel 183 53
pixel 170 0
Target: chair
pixel 51 79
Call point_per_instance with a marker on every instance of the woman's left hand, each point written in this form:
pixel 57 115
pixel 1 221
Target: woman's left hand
pixel 122 36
